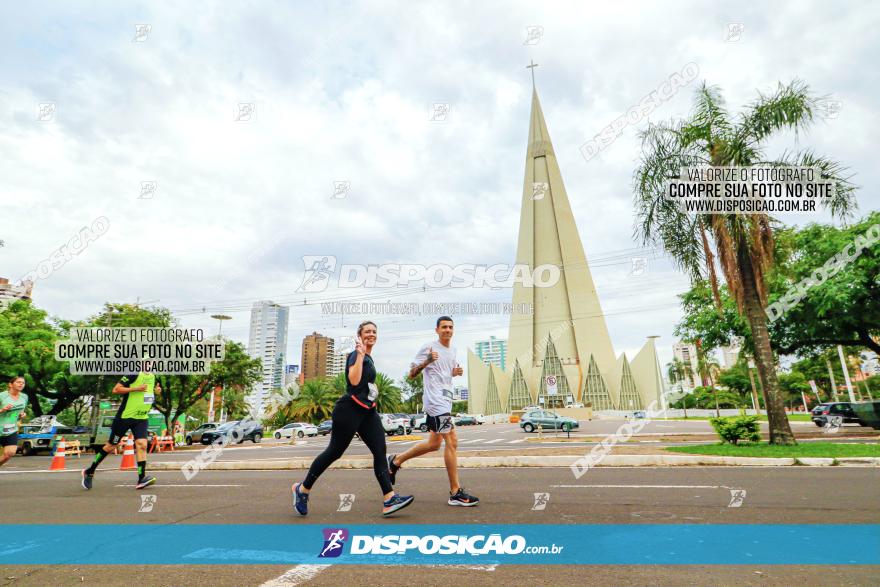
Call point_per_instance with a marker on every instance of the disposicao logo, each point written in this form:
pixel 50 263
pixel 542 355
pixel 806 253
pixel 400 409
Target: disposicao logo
pixel 334 541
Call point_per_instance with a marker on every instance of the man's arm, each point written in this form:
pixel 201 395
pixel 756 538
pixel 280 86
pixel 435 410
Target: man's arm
pixel 423 359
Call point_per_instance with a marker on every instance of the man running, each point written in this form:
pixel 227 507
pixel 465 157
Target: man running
pixel 138 396
pixel 12 406
pixel 436 360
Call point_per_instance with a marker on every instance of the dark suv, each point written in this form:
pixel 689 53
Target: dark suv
pixel 822 413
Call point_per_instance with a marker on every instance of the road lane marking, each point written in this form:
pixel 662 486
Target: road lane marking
pixel 296 576
pixel 184 485
pixel 517 441
pixel 494 440
pixel 643 486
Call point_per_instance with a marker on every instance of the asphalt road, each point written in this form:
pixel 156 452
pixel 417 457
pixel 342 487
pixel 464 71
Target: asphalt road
pixel 503 438
pixel 843 495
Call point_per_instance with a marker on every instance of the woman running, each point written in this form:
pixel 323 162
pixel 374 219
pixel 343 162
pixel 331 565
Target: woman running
pixel 355 412
pixel 12 405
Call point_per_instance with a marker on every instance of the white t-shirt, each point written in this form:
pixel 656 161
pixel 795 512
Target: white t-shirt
pixel 437 378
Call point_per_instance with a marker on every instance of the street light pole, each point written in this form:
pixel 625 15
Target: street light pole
pixel 219 318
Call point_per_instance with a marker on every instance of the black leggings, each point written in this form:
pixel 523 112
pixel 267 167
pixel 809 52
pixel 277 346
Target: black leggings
pixel 349 418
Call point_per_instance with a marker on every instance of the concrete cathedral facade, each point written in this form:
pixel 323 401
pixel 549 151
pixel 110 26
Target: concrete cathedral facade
pixel 561 354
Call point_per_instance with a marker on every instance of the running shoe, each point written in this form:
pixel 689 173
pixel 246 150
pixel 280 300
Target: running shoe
pixel 86 479
pixel 145 482
pixel 300 501
pixel 396 503
pixel 392 469
pixel 461 498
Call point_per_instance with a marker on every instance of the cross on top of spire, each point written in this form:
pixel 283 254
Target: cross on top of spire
pixel 532 65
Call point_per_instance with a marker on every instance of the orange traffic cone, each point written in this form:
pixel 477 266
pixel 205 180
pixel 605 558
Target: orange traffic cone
pixel 58 460
pixel 128 463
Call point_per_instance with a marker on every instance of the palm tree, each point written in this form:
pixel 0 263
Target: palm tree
pixel 676 372
pixel 743 243
pixel 709 369
pixel 315 401
pixel 389 394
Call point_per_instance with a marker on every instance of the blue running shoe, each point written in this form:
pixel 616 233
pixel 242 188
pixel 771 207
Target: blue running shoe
pixel 396 503
pixel 300 501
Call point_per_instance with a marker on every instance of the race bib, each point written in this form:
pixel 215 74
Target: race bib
pixel 374 392
pixel 8 429
pixel 149 399
pixel 446 393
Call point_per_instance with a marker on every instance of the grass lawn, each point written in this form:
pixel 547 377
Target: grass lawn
pixel 763 418
pixel 804 449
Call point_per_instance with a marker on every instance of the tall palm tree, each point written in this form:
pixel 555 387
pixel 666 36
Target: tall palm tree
pixel 743 243
pixel 315 401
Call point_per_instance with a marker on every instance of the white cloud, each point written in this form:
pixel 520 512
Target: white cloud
pixel 344 92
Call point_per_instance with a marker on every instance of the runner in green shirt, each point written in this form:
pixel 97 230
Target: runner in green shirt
pixel 12 406
pixel 138 396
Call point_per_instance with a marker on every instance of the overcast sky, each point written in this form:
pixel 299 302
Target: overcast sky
pixel 345 92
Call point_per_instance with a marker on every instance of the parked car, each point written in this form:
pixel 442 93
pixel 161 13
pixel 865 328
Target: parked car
pixel 464 420
pixel 868 413
pixel 419 421
pixel 44 434
pixel 822 413
pixel 394 425
pixel 255 435
pixel 325 427
pixel 299 428
pixel 480 418
pixel 196 435
pixel 546 419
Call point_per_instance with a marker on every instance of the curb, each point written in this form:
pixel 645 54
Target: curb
pixel 536 461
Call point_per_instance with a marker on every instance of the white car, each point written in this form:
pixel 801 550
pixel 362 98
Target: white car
pixel 420 421
pixel 480 418
pixel 299 428
pixel 393 425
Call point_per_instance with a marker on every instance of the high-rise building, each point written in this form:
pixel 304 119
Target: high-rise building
pixel 687 354
pixel 317 356
pixel 558 352
pixel 492 351
pixel 268 342
pixel 337 362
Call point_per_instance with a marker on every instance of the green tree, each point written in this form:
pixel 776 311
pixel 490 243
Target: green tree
pixel 389 394
pixel 845 309
pixel 792 385
pixel 315 402
pixel 412 391
pixel 235 375
pixel 27 348
pixel 743 243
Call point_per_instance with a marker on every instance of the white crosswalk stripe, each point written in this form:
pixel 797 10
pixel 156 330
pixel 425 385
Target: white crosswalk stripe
pixel 517 441
pixel 494 440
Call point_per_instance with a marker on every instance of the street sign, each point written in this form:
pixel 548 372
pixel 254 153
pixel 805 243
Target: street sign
pixel 550 381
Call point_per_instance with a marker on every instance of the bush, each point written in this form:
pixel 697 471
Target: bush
pixel 737 428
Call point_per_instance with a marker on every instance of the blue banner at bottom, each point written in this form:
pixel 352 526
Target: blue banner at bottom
pixel 599 544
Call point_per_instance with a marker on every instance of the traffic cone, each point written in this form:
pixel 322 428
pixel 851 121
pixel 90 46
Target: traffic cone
pixel 128 463
pixel 58 460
